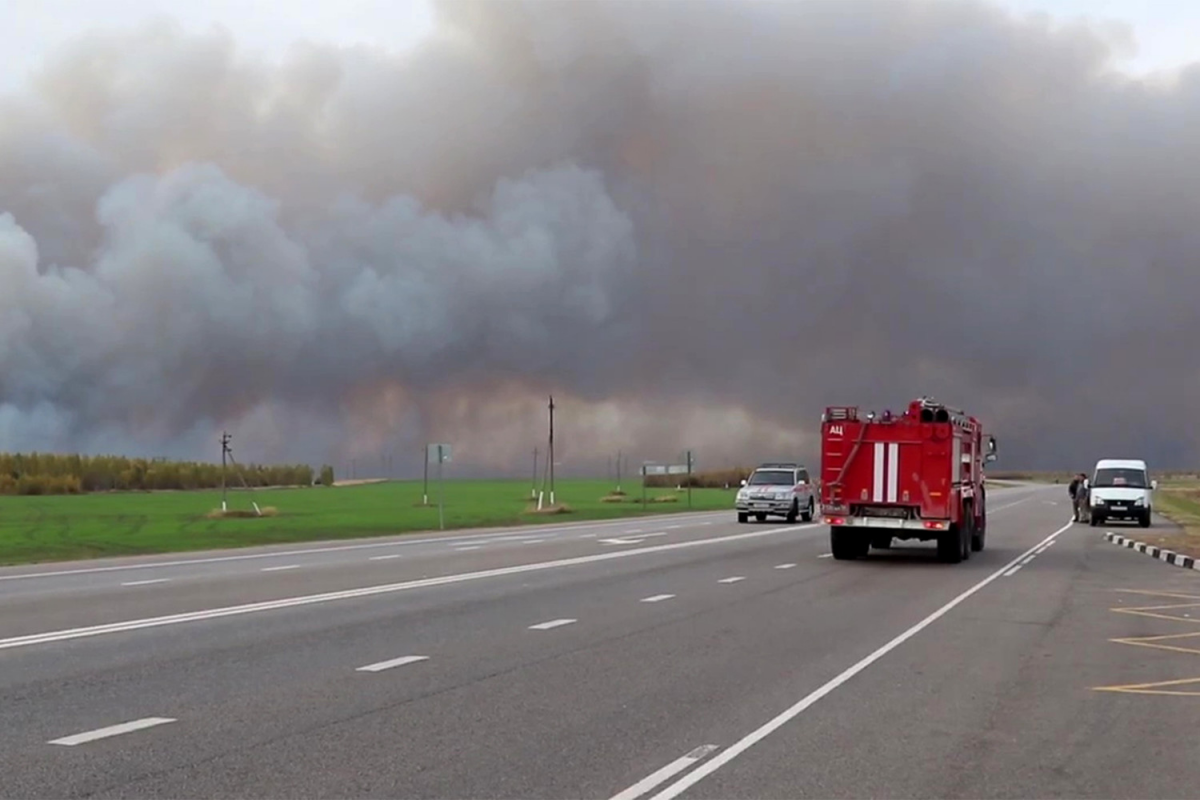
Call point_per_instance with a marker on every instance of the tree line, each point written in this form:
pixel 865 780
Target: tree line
pixel 53 473
pixel 713 479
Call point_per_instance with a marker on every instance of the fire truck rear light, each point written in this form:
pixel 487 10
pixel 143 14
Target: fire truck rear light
pixel 935 526
pixel 835 521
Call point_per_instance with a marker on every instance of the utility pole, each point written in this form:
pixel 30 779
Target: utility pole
pixel 551 449
pixel 533 485
pixel 618 470
pixel 441 489
pixel 224 453
pixel 689 477
pixel 425 490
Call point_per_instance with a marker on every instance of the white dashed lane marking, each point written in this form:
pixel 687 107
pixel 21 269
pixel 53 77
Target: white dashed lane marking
pixel 395 662
pixel 111 730
pixel 554 623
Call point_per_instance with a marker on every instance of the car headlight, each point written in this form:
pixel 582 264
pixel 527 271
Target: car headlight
pixel 1140 501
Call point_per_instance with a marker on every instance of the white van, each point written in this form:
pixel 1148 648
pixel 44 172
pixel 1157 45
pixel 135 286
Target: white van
pixel 1121 489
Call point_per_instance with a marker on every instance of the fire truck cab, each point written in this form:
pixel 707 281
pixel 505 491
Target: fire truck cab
pixel 916 475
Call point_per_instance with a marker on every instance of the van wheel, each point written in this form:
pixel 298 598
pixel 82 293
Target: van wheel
pixel 1144 520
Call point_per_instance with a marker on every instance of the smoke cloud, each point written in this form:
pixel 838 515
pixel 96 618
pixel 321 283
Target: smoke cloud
pixel 696 224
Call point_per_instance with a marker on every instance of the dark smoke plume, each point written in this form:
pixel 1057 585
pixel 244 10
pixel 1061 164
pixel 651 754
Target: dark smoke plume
pixel 696 223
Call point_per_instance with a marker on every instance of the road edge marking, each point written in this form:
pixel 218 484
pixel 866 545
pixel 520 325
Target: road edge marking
pixel 748 741
pixel 664 774
pixel 1155 552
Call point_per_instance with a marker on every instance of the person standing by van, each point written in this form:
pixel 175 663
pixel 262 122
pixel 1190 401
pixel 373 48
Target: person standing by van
pixel 1078 491
pixel 1082 508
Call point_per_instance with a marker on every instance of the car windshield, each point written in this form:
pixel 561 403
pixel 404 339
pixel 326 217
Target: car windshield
pixel 1127 478
pixel 772 477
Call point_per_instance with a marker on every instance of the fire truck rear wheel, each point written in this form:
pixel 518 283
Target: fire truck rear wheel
pixel 950 547
pixel 978 536
pixel 847 545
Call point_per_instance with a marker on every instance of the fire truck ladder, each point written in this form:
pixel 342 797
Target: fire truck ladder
pixel 835 488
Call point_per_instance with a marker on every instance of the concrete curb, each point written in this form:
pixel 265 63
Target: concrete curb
pixel 1178 560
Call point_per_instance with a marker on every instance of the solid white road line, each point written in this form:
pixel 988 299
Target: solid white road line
pixel 825 555
pixel 658 598
pixel 784 566
pixel 111 730
pixel 681 785
pixel 385 558
pixel 554 623
pixel 395 662
pixel 734 579
pixel 409 542
pixel 387 588
pixel 146 583
pixel 281 568
pixel 666 773
pixel 533 541
pixel 468 547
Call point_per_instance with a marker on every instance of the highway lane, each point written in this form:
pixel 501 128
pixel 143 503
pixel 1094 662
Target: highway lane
pixel 1020 691
pixel 139 570
pixel 658 654
pixel 654 656
pixel 90 598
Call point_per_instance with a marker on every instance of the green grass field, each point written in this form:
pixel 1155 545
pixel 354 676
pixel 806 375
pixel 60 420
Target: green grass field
pixel 1178 501
pixel 57 528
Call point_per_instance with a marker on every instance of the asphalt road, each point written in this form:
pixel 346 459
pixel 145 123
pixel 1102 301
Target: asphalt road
pixel 683 656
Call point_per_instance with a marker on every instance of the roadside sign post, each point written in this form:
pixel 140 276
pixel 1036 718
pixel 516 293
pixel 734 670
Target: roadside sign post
pixel 425 490
pixel 645 472
pixel 440 452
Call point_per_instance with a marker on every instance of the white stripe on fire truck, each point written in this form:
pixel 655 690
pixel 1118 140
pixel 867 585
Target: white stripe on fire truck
pixel 893 471
pixel 877 487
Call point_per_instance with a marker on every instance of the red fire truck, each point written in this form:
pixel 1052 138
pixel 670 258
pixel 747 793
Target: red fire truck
pixel 915 475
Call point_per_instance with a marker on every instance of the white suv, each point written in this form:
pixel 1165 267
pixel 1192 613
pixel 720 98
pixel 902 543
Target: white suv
pixel 1121 489
pixel 780 490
